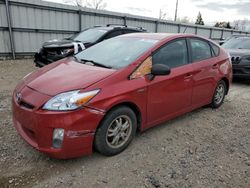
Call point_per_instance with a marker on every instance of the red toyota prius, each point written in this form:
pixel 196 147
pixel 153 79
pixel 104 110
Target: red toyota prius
pixel 100 97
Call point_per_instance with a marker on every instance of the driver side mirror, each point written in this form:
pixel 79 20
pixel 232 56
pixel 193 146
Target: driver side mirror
pixel 160 69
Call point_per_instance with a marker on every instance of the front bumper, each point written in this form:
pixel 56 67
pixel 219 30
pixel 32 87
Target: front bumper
pixel 36 127
pixel 242 71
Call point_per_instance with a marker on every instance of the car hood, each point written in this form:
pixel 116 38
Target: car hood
pixel 65 75
pixel 238 52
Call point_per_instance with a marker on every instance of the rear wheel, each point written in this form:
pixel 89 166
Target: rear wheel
pixel 219 94
pixel 116 131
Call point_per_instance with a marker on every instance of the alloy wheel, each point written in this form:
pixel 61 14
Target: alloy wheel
pixel 219 94
pixel 119 131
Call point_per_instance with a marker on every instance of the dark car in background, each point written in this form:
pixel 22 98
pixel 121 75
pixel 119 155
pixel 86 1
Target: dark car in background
pixel 58 49
pixel 239 50
pixel 223 40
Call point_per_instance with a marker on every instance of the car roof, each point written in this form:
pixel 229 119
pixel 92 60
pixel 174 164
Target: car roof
pixel 117 26
pixel 242 37
pixel 101 28
pixel 157 36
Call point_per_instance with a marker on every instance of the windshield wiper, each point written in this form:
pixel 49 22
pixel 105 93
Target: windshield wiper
pixel 96 63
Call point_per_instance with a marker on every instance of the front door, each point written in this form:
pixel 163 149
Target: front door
pixel 170 95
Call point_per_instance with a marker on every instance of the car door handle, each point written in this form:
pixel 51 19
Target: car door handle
pixel 215 66
pixel 188 76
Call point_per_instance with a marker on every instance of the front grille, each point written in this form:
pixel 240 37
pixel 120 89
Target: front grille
pixel 46 52
pixel 238 71
pixel 21 102
pixel 235 59
pixel 57 52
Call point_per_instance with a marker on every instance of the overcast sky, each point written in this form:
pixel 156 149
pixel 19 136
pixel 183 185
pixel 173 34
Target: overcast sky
pixel 211 10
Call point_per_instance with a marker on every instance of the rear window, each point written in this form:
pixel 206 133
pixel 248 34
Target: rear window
pixel 130 31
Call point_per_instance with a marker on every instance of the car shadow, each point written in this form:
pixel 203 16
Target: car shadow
pixel 46 168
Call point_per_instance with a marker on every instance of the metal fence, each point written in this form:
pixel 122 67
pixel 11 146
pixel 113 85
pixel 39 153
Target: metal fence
pixel 26 24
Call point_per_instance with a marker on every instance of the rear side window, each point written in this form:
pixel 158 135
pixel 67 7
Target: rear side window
pixel 200 50
pixel 126 31
pixel 113 34
pixel 215 49
pixel 173 54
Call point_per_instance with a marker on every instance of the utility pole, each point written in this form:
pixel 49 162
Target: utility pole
pixel 10 29
pixel 176 10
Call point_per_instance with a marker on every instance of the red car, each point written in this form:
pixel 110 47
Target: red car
pixel 100 97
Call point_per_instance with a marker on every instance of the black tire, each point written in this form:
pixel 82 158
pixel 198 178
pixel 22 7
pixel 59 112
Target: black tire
pixel 103 142
pixel 218 101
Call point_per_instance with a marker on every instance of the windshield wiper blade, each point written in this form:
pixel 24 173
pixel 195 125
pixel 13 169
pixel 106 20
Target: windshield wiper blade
pixel 96 63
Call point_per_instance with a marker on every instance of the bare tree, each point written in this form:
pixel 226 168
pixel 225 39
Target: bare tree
pixel 243 25
pixel 95 4
pixel 236 24
pixel 162 14
pixel 240 24
pixel 184 19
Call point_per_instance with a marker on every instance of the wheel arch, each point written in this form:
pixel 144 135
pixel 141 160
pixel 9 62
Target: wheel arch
pixel 225 79
pixel 130 105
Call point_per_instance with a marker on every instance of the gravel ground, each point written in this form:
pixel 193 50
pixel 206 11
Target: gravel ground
pixel 204 148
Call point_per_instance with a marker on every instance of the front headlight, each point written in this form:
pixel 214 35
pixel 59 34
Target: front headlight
pixel 67 51
pixel 70 100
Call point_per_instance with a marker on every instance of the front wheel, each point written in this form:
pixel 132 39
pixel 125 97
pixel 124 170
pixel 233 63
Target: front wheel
pixel 219 94
pixel 116 131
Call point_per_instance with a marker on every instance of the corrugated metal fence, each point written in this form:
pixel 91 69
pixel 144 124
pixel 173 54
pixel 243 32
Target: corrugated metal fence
pixel 26 24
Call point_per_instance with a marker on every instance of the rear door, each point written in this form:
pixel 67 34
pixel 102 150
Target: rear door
pixel 205 70
pixel 170 95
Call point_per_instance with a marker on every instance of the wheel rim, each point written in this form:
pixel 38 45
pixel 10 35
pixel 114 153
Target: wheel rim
pixel 119 131
pixel 219 94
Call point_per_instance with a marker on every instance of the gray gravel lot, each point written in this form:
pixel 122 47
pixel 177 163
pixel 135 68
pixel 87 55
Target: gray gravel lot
pixel 204 148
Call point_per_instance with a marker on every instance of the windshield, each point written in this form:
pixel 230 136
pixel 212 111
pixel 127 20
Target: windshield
pixel 117 52
pixel 89 35
pixel 237 43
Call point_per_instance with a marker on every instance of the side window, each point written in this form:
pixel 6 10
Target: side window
pixel 200 50
pixel 143 69
pixel 126 31
pixel 174 54
pixel 216 49
pixel 113 34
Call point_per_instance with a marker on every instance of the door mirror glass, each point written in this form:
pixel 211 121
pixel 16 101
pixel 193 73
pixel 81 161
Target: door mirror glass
pixel 160 69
